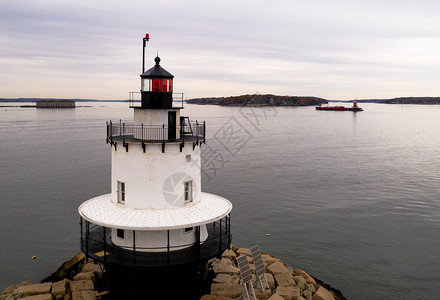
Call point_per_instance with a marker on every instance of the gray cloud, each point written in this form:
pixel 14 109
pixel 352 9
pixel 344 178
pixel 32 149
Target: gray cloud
pixel 339 49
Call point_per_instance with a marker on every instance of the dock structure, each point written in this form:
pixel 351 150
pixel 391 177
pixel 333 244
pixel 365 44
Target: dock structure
pixel 55 104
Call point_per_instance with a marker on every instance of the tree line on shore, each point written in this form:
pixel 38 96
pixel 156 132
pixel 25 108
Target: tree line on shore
pixel 257 99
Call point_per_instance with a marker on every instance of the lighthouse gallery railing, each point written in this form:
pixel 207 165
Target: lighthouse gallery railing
pixel 134 99
pixel 154 133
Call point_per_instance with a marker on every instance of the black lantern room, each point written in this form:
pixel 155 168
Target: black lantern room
pixel 157 87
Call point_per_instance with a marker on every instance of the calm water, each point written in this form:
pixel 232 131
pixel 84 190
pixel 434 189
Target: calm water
pixel 353 198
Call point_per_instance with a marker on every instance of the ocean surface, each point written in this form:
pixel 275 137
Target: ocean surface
pixel 352 198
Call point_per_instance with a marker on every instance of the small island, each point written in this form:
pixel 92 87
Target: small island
pixel 260 100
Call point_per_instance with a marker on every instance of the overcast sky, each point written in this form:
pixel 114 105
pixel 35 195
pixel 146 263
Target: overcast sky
pixel 338 49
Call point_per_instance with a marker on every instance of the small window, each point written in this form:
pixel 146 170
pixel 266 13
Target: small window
pixel 120 233
pixel 145 85
pixel 156 85
pixel 188 158
pixel 188 191
pixel 121 192
pixel 165 85
pixel 189 229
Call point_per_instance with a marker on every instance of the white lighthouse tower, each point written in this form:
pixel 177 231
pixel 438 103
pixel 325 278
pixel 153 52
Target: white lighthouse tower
pixel 156 216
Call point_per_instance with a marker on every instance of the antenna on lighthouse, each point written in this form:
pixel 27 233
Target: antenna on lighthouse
pixel 145 40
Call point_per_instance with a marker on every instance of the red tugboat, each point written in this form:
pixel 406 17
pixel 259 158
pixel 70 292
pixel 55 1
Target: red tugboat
pixel 355 107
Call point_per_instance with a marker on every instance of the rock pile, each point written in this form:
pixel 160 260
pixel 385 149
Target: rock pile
pixel 78 281
pixel 285 283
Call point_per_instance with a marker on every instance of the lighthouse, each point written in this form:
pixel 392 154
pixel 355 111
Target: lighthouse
pixel 156 225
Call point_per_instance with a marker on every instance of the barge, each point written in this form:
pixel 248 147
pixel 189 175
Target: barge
pixel 355 107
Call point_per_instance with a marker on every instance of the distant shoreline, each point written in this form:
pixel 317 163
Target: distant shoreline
pixel 274 100
pixel 256 100
pixel 401 100
pixel 260 100
pixel 27 100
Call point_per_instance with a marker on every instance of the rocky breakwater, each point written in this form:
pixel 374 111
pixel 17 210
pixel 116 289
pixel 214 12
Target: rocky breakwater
pixel 285 283
pixel 76 279
pixel 81 279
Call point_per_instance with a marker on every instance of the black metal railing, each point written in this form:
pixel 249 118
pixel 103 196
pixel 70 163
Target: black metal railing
pixel 134 100
pixel 154 132
pixel 96 243
pixel 129 132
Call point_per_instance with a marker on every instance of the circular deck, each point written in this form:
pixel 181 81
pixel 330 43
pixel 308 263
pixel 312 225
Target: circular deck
pixel 102 211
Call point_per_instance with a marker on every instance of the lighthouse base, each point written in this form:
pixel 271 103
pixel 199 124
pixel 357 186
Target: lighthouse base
pixel 96 244
pixel 189 281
